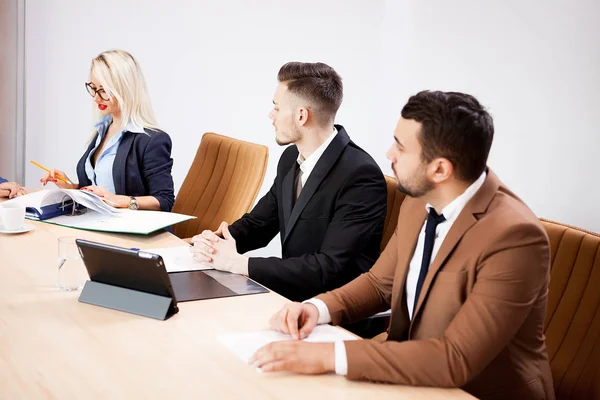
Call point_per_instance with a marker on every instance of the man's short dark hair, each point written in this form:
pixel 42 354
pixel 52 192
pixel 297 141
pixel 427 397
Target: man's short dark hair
pixel 316 82
pixel 454 126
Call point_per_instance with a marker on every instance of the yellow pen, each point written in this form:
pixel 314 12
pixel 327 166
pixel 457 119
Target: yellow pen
pixel 65 180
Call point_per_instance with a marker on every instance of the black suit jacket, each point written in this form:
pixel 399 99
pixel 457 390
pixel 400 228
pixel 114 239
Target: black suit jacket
pixel 142 167
pixel 333 232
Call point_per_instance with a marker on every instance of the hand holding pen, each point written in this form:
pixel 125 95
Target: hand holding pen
pixel 59 178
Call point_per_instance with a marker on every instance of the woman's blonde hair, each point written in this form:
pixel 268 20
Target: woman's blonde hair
pixel 121 77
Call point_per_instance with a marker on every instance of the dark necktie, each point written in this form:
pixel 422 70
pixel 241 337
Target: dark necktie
pixel 432 222
pixel 298 183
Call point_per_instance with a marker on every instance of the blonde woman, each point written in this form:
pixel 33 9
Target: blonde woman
pixel 128 161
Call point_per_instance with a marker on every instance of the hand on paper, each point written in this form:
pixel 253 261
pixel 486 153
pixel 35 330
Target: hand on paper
pixel 296 356
pixel 295 319
pixel 107 196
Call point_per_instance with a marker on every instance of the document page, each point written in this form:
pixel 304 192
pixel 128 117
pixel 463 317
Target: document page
pixel 178 259
pixel 244 345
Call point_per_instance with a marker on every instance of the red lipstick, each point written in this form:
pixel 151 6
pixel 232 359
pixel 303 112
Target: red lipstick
pixel 102 107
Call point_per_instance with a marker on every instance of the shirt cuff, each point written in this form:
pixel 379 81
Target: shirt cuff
pixel 341 361
pixel 324 316
pixel 245 261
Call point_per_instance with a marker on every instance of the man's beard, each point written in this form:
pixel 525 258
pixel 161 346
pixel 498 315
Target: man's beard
pixel 419 186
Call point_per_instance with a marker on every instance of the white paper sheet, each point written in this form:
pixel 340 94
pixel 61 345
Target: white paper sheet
pixel 92 201
pixel 244 345
pixel 178 259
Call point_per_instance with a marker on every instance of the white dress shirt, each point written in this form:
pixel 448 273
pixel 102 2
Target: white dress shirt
pixel 308 164
pixel 451 213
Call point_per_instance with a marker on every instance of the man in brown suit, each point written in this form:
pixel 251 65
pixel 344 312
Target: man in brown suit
pixel 465 274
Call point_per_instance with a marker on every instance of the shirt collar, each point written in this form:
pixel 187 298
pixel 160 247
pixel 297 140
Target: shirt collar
pixel 131 127
pixel 104 122
pixel 453 209
pixel 307 165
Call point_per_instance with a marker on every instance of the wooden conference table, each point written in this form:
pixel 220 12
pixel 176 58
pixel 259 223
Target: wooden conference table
pixel 53 347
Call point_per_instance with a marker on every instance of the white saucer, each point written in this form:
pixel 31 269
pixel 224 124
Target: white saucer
pixel 25 228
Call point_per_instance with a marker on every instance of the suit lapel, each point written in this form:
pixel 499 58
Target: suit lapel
pixel 466 219
pixel 120 162
pixel 81 172
pixel 288 192
pixel 410 224
pixel 461 225
pixel 325 163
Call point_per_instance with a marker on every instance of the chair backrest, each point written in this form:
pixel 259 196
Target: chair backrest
pixel 572 325
pixel 394 201
pixel 222 183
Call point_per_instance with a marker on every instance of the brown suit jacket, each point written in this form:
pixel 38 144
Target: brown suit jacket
pixel 479 319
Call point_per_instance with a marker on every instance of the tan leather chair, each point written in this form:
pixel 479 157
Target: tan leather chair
pixel 394 201
pixel 222 183
pixel 381 321
pixel 573 317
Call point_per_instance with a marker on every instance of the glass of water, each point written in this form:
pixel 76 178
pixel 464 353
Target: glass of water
pixel 71 271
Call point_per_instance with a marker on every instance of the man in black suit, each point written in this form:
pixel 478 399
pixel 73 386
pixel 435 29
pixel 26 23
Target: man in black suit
pixel 328 201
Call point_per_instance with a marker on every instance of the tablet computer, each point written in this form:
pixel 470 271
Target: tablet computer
pixel 112 268
pixel 146 272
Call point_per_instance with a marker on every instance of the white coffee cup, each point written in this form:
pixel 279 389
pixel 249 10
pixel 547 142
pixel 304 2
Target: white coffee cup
pixel 13 216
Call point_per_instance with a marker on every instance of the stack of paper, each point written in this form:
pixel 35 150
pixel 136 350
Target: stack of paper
pixel 244 345
pixel 92 201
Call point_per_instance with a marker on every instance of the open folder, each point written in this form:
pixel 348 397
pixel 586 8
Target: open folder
pixel 46 204
pixel 81 210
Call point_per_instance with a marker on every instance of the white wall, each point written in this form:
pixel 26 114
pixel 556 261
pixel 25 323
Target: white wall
pixel 535 64
pixel 211 66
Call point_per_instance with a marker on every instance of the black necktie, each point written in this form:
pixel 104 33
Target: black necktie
pixel 297 181
pixel 432 222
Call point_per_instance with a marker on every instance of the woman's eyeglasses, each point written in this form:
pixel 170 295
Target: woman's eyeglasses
pixel 91 89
